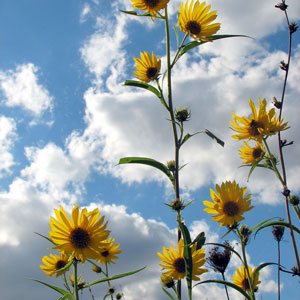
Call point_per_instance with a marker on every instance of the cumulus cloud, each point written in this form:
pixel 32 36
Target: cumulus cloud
pixel 21 88
pixel 7 138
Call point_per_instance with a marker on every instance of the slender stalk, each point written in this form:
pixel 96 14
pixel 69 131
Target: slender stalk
pixel 250 281
pixel 280 145
pixel 278 270
pixel 108 283
pixel 75 279
pixel 225 287
pixel 172 117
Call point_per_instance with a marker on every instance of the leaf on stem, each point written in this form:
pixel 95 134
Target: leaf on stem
pixel 113 277
pixel 66 294
pixel 262 223
pixel 200 240
pixel 280 223
pixel 187 253
pixel 228 284
pixel 171 297
pixel 148 87
pixel 135 13
pixel 211 135
pixel 149 162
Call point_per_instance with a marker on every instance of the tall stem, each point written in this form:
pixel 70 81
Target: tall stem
pixel 278 271
pixel 172 117
pixel 225 287
pixel 75 279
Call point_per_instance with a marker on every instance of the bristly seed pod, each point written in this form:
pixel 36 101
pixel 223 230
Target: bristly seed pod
pixel 278 232
pixel 281 6
pixel 294 200
pixel 182 115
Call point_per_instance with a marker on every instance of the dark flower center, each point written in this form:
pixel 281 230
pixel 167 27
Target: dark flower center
pixel 230 209
pixel 245 284
pixel 257 153
pixel 80 238
pixel 151 73
pixel 105 253
pixel 193 27
pixel 179 265
pixel 253 130
pixel 151 3
pixel 60 264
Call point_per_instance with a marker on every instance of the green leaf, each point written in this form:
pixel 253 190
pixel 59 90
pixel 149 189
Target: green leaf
pixel 171 297
pixel 135 13
pixel 253 166
pixel 45 237
pixel 65 267
pixel 211 135
pixel 228 284
pixel 260 267
pixel 188 136
pixel 194 44
pixel 200 240
pixel 187 254
pixel 278 223
pixel 148 87
pixel 176 33
pixel 65 297
pixel 262 223
pixel 56 288
pixel 149 162
pixel 113 277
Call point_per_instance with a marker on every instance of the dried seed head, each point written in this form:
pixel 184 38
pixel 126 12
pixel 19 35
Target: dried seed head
pixel 278 232
pixel 293 27
pixel 294 200
pixel 281 6
pixel 182 115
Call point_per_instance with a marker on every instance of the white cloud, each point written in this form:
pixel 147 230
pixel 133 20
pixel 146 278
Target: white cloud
pixel 84 13
pixel 7 139
pixel 21 88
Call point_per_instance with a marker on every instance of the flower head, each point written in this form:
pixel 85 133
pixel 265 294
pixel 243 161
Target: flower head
pixel 53 263
pixel 229 203
pixel 241 279
pixel 196 20
pixel 174 264
pixel 219 260
pixel 252 154
pixel 82 236
pixel 108 252
pixel 259 124
pixel 167 281
pixel 147 68
pixel 151 6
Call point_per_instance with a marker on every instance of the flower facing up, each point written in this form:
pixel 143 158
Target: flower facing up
pixel 147 68
pixel 151 6
pixel 108 252
pixel 53 263
pixel 229 203
pixel 259 124
pixel 252 154
pixel 241 279
pixel 174 264
pixel 82 236
pixel 196 21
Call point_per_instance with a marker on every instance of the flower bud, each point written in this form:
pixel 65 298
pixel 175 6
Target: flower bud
pixel 278 232
pixel 182 115
pixel 111 290
pixel 177 205
pixel 294 200
pixel 118 296
pixel 96 269
pixel 171 165
pixel 167 281
pixel 245 233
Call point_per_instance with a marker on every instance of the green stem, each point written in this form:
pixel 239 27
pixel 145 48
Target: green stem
pixel 278 270
pixel 250 281
pixel 75 279
pixel 108 283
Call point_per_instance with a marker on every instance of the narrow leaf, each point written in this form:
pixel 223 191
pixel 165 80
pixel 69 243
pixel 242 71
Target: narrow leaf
pixel 280 223
pixel 228 284
pixel 211 135
pixel 65 267
pixel 67 296
pixel 171 297
pixel 194 44
pixel 149 162
pixel 188 136
pixel 176 33
pixel 56 288
pixel 260 267
pixel 45 237
pixel 135 13
pixel 187 253
pixel 262 223
pixel 200 240
pixel 148 87
pixel 113 277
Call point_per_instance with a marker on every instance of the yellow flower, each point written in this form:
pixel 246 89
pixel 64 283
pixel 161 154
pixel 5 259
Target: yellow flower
pixel 259 124
pixel 166 281
pixel 173 262
pixel 108 252
pixel 147 68
pixel 80 283
pixel 251 154
pixel 196 20
pixel 228 204
pixel 241 279
pixel 82 236
pixel 53 264
pixel 151 6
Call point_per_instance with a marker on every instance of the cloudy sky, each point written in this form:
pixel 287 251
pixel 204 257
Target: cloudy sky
pixel 66 119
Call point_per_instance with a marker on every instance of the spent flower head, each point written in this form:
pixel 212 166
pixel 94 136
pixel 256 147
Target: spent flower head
pixel 182 115
pixel 278 232
pixel 219 260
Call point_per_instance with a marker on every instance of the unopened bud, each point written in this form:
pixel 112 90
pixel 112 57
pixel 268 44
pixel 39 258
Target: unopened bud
pixel 245 233
pixel 294 200
pixel 278 232
pixel 96 269
pixel 118 296
pixel 171 165
pixel 177 205
pixel 182 115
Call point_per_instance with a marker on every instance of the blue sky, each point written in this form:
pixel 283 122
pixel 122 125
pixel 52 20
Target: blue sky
pixel 66 119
